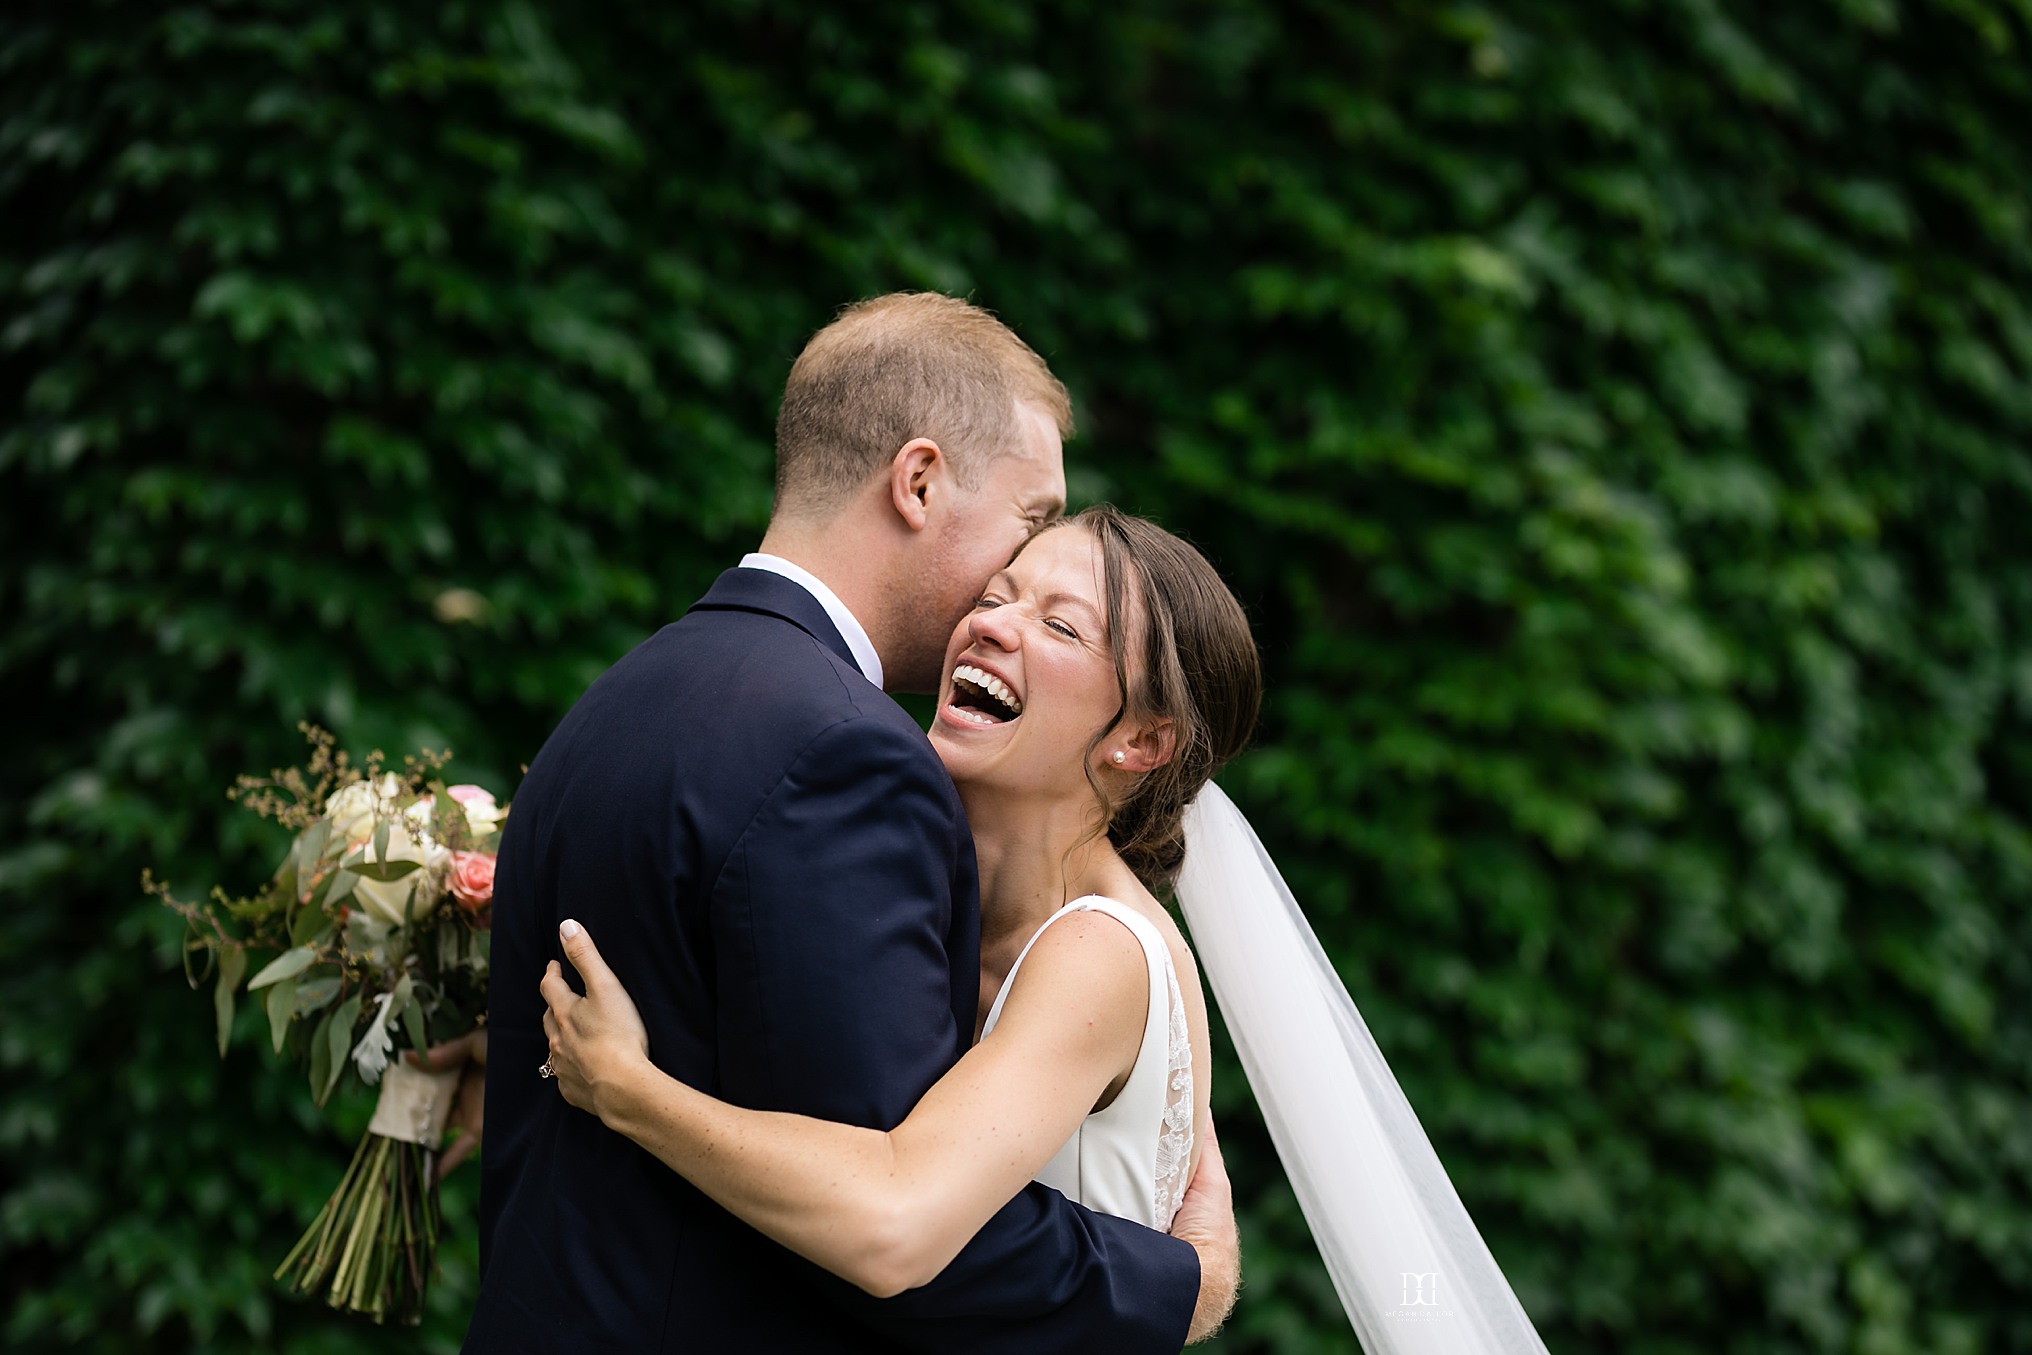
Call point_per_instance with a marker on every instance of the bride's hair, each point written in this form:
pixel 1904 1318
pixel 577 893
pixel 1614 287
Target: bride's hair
pixel 1199 669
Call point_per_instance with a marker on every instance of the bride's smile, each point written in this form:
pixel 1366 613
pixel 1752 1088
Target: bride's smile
pixel 1030 677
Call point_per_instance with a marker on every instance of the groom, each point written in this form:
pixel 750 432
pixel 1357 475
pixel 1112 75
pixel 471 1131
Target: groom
pixel 780 871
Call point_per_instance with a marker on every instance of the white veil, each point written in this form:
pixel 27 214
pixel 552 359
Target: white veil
pixel 1405 1258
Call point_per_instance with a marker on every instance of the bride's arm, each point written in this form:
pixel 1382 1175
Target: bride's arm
pixel 885 1211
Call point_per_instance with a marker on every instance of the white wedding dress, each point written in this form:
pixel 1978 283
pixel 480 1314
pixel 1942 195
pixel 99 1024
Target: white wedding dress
pixel 1408 1263
pixel 1131 1159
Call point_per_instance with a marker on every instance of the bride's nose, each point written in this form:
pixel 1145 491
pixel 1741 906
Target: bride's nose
pixel 993 625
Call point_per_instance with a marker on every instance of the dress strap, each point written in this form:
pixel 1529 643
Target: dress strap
pixel 1155 952
pixel 1009 980
pixel 1131 1158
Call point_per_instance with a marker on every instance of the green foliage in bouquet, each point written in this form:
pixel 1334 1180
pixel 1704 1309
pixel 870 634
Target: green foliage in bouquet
pixel 1616 416
pixel 379 913
pixel 357 909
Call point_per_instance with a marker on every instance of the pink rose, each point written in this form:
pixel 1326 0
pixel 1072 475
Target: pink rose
pixel 472 881
pixel 483 813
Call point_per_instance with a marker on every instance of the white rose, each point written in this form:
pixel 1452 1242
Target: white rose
pixel 389 900
pixel 352 810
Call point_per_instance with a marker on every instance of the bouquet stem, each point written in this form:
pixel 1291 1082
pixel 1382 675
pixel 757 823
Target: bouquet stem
pixel 373 1247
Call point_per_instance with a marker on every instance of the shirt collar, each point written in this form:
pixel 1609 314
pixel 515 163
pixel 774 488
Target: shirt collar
pixel 856 636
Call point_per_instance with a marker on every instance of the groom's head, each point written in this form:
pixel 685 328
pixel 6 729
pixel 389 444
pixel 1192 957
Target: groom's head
pixel 921 430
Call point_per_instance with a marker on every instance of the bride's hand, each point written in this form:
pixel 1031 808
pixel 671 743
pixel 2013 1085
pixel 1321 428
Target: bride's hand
pixel 468 1054
pixel 596 1038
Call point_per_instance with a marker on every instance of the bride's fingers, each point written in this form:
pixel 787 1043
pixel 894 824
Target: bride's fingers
pixel 555 990
pixel 463 1147
pixel 585 957
pixel 443 1058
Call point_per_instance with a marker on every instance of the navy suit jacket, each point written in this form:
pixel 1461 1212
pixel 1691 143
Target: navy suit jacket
pixel 774 862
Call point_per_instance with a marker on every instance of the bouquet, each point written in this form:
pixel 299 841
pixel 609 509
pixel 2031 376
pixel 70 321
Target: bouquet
pixel 376 920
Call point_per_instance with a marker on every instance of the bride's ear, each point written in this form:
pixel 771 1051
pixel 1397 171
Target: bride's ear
pixel 1145 746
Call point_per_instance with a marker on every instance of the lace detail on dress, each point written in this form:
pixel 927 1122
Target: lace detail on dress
pixel 1174 1138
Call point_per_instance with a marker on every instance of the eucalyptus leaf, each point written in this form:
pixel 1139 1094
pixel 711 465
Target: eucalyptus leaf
pixel 310 847
pixel 320 1056
pixel 232 965
pixel 316 992
pixel 281 1007
pixel 284 886
pixel 341 888
pixel 284 966
pixel 195 975
pixel 380 839
pixel 320 892
pixel 414 1026
pixel 309 923
pixel 338 1036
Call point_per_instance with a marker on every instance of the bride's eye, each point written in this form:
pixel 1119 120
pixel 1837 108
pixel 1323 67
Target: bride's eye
pixel 986 600
pixel 1062 628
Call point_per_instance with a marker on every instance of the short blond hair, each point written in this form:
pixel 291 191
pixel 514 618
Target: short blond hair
pixel 897 367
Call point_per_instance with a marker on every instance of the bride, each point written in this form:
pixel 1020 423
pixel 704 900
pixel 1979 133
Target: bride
pixel 1102 678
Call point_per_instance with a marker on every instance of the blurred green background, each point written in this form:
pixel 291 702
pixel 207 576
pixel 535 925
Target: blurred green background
pixel 1614 414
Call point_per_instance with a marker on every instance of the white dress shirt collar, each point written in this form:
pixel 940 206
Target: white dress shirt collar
pixel 856 636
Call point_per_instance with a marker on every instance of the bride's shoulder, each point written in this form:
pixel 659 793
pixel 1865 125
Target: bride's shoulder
pixel 1085 961
pixel 1143 905
pixel 1078 922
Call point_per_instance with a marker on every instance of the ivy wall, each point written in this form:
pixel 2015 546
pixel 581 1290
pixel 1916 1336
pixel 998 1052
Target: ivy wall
pixel 1615 416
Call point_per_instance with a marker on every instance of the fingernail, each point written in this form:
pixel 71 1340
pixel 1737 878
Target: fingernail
pixel 568 929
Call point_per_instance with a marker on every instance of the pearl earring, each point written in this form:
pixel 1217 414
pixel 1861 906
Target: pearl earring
pixel 1120 757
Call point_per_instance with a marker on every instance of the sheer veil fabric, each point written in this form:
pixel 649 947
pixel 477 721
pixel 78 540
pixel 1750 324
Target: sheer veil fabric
pixel 1412 1272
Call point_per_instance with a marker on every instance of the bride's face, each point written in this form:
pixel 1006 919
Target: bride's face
pixel 1030 673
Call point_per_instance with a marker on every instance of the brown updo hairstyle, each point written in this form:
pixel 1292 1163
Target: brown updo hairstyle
pixel 1200 670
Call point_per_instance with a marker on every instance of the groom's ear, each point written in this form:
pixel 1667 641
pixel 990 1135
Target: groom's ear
pixel 916 472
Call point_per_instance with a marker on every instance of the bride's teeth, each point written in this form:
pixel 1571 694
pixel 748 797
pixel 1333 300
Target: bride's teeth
pixel 990 684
